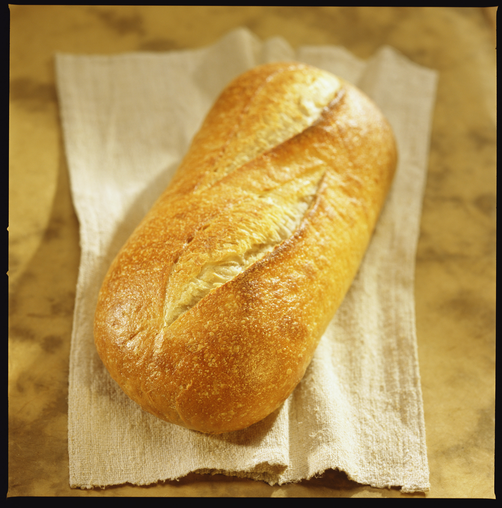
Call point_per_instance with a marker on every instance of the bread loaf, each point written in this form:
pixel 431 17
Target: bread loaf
pixel 210 314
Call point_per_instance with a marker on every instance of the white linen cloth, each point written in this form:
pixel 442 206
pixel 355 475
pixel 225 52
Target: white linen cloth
pixel 128 120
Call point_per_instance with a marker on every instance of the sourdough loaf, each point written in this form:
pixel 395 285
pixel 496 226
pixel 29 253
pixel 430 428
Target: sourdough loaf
pixel 210 314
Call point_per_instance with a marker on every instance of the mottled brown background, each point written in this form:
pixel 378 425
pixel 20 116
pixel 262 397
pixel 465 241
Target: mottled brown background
pixel 455 275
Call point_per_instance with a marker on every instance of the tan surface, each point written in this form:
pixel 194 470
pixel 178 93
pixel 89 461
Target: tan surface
pixel 455 277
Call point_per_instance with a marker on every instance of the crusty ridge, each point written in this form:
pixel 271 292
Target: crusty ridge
pixel 282 207
pixel 255 113
pixel 283 210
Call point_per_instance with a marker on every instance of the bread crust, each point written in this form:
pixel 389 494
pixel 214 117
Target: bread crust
pixel 223 358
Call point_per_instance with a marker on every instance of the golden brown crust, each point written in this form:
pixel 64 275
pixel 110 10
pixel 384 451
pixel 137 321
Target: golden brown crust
pixel 218 358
